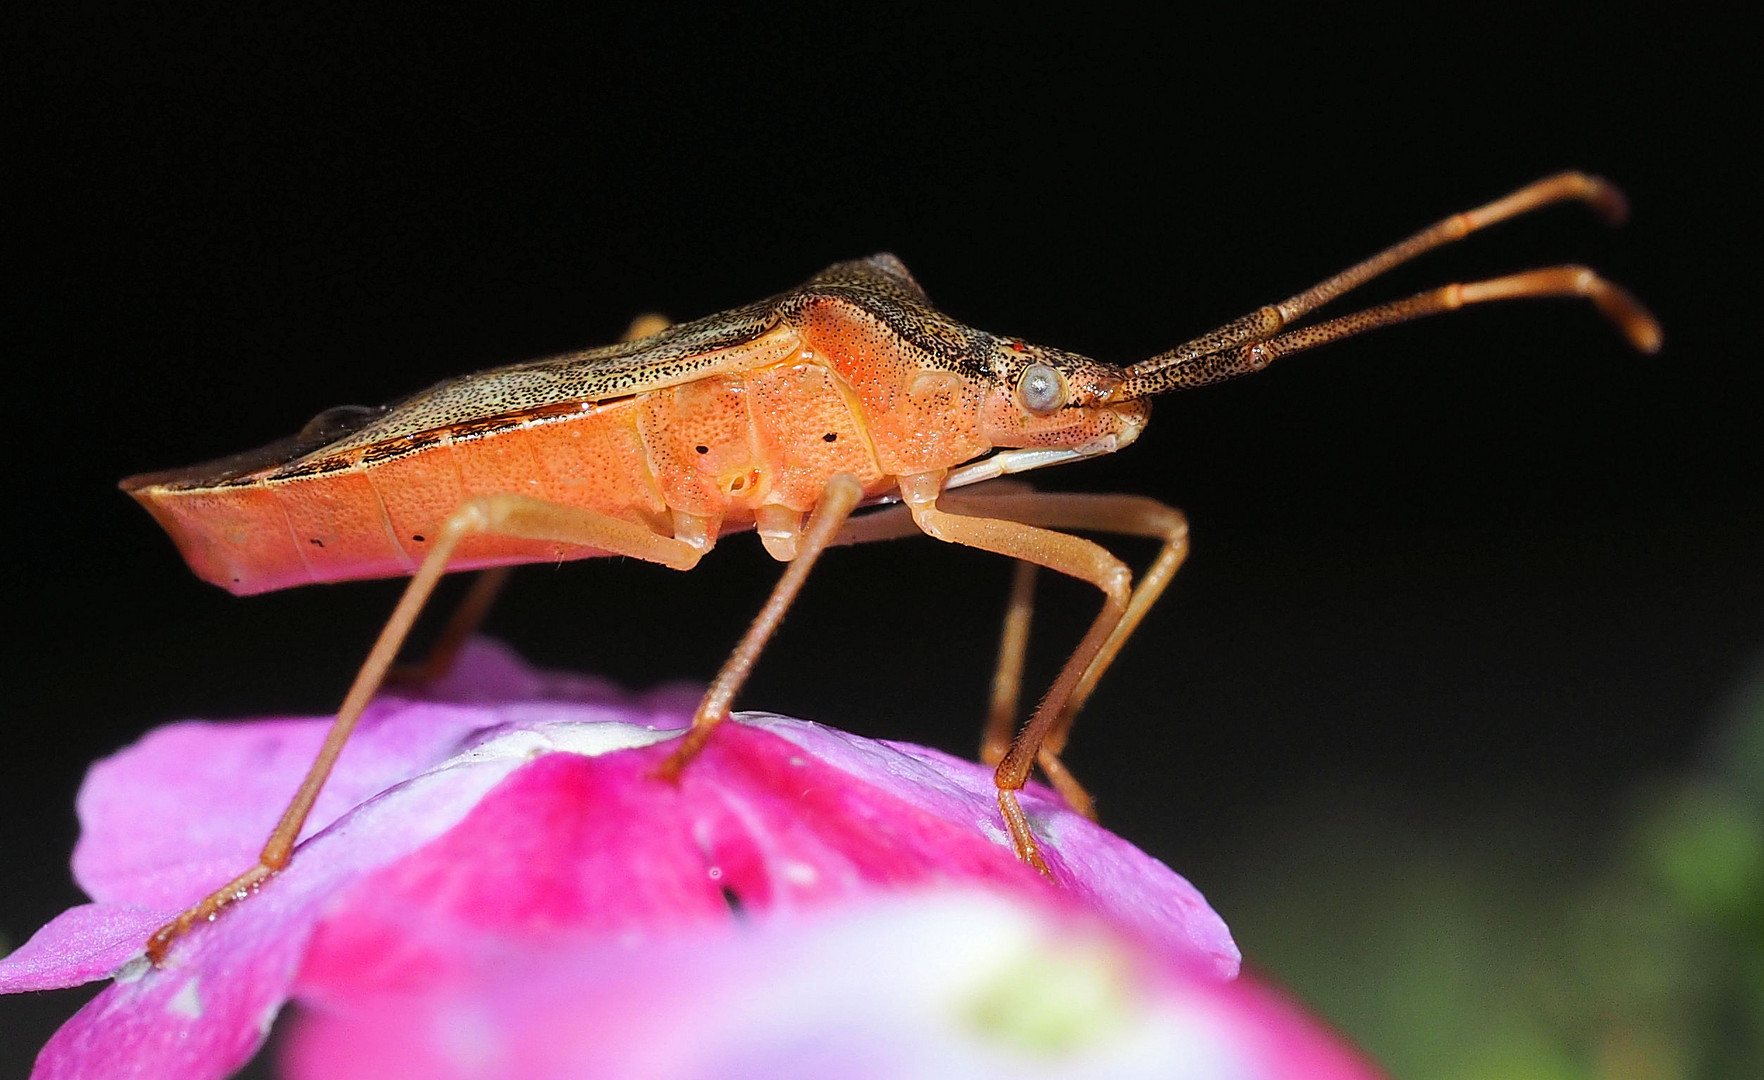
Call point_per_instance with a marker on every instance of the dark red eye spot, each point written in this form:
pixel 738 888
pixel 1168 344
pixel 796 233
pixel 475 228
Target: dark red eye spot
pixel 1017 346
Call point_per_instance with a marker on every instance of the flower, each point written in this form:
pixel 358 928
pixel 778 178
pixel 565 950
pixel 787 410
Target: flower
pixel 934 984
pixel 506 829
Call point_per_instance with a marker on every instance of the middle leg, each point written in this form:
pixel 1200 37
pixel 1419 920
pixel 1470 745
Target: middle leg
pixel 836 504
pixel 475 606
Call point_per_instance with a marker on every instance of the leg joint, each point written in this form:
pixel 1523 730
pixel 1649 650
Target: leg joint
pixel 1117 582
pixel 1171 523
pixel 482 513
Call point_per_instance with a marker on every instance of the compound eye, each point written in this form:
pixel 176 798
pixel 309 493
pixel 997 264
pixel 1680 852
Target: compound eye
pixel 1041 389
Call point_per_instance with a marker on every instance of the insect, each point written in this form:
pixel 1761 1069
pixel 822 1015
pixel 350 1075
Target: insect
pixel 784 417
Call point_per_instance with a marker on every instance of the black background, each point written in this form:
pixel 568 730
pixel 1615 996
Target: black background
pixel 1486 558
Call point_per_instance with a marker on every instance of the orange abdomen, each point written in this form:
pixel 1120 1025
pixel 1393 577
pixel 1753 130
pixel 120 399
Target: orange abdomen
pixel 716 447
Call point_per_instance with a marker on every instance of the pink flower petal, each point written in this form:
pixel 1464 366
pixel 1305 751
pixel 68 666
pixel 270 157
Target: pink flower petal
pixel 456 833
pixel 925 984
pixel 488 672
pixel 1101 870
pixel 205 1014
pixel 188 806
pixel 80 945
pixel 583 845
pixel 595 847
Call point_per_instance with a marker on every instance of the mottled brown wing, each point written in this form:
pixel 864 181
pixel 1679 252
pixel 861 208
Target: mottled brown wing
pixel 679 354
pixel 745 337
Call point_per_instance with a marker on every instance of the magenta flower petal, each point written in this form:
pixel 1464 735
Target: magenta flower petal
pixel 594 847
pixel 189 806
pixel 938 983
pixel 204 1014
pixel 1101 870
pixel 457 833
pixel 488 672
pixel 80 945
pixel 569 844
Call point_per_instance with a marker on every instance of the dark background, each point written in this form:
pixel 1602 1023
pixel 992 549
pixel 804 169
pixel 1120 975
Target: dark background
pixel 1483 561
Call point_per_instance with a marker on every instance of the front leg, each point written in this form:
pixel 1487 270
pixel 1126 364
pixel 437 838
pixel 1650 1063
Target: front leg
pixel 1121 515
pixel 1066 554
